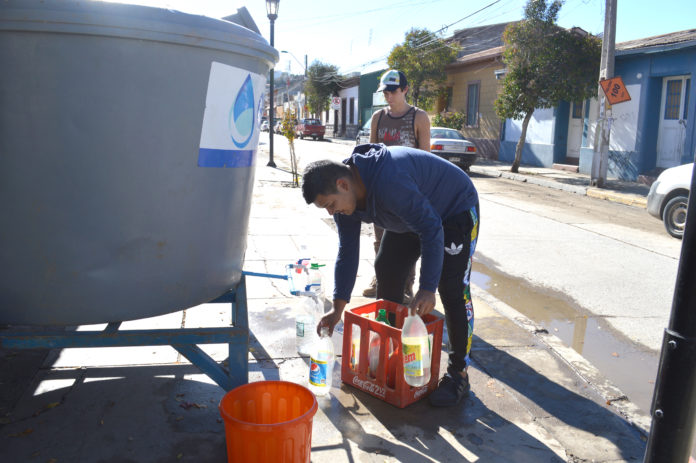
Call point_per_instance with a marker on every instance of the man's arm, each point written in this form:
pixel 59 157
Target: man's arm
pixel 345 270
pixel 422 127
pixel 374 126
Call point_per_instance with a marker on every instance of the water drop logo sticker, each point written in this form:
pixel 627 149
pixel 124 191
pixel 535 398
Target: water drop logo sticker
pixel 241 118
pixel 230 129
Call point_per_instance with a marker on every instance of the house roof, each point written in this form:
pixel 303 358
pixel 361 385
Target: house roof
pixel 664 42
pixel 477 39
pixel 484 55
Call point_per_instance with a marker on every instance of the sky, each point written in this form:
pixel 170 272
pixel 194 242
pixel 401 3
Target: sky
pixel 357 35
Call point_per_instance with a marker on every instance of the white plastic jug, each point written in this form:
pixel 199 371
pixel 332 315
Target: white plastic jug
pixel 416 351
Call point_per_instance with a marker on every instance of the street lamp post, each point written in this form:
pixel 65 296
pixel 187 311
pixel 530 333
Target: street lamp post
pixel 272 11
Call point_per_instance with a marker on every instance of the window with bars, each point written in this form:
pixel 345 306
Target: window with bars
pixel 673 99
pixel 577 110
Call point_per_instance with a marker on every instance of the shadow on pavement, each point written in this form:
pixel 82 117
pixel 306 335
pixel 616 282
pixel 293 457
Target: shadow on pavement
pixel 467 432
pixel 568 414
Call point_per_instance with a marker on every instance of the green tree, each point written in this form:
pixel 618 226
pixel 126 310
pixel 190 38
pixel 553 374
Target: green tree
pixel 423 57
pixel 322 83
pixel 546 64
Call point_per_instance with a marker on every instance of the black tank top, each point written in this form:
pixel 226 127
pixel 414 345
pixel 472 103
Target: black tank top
pixel 397 131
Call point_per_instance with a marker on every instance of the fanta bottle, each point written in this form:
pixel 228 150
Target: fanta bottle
pixel 415 350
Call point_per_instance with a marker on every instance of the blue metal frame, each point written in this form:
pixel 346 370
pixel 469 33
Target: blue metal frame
pixel 184 340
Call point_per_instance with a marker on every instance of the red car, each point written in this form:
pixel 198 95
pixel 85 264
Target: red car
pixel 310 128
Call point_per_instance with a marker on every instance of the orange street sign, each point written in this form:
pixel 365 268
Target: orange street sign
pixel 615 90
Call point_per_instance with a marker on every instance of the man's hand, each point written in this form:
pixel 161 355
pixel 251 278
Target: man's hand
pixel 332 317
pixel 423 302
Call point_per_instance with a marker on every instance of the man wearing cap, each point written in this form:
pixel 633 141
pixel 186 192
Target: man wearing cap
pixel 428 208
pixel 399 124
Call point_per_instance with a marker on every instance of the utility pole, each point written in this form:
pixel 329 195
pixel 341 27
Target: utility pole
pixel 600 158
pixel 674 401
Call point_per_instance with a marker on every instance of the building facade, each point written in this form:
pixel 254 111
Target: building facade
pixel 652 131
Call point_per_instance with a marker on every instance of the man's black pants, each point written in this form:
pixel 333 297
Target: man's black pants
pixel 399 251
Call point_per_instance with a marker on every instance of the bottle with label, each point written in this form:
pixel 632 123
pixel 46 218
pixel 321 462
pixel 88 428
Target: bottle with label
pixel 321 363
pixel 306 323
pixel 416 351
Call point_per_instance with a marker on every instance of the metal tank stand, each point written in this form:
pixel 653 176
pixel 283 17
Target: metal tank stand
pixel 184 340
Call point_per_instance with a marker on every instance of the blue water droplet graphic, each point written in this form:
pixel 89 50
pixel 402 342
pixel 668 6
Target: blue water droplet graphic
pixel 241 119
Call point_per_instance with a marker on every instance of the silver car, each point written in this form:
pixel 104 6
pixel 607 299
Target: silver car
pixel 450 144
pixel 669 196
pixel 364 133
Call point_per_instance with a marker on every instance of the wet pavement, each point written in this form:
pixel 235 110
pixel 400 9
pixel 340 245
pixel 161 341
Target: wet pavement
pixel 533 399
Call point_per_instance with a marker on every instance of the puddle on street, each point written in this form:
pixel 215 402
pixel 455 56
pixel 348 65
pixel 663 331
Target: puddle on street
pixel 630 367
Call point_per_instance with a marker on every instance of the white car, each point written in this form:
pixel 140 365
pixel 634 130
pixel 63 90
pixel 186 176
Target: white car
pixel 669 196
pixel 450 144
pixel 264 126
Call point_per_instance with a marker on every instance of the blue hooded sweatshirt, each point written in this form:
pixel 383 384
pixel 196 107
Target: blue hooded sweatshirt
pixel 408 190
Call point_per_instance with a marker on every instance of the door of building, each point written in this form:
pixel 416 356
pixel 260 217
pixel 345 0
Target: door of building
pixel 575 126
pixel 673 113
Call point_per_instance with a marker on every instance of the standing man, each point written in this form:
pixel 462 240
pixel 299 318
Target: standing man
pixel 399 124
pixel 428 208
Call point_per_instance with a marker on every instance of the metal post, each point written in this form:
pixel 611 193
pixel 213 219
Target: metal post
pixel 600 157
pixel 674 401
pixel 271 110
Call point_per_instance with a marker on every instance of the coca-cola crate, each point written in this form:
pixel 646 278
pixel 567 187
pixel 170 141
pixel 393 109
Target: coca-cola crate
pixel 388 383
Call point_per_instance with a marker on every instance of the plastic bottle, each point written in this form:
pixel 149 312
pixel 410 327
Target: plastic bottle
pixel 321 363
pixel 375 342
pixel 416 351
pixel 306 323
pixel 314 280
pixel 354 347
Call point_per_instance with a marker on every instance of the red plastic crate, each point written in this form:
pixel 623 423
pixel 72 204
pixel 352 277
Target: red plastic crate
pixel 389 386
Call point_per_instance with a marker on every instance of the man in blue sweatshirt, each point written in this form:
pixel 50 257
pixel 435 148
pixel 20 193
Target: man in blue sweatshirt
pixel 428 208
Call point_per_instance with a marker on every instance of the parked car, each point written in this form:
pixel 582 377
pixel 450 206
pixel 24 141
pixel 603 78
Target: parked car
pixel 264 126
pixel 364 133
pixel 310 127
pixel 669 196
pixel 450 144
pixel 276 125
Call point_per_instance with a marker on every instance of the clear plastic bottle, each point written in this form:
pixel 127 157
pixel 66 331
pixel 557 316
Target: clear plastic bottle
pixel 306 323
pixel 321 363
pixel 375 342
pixel 416 351
pixel 354 347
pixel 314 280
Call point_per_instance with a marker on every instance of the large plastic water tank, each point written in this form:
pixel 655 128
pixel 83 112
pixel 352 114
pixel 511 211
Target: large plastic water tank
pixel 128 138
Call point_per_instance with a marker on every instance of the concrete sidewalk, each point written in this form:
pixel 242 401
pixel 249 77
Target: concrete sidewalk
pixel 531 401
pixel 629 193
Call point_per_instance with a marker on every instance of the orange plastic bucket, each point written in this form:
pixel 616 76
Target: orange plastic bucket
pixel 268 421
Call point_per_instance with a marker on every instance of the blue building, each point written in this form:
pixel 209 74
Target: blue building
pixel 650 132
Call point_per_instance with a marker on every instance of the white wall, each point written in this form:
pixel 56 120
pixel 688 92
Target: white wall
pixel 624 128
pixel 346 94
pixel 539 130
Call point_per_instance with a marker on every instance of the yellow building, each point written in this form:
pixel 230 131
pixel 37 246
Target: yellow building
pixel 474 81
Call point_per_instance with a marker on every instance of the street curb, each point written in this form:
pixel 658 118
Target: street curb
pixel 611 394
pixel 617 198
